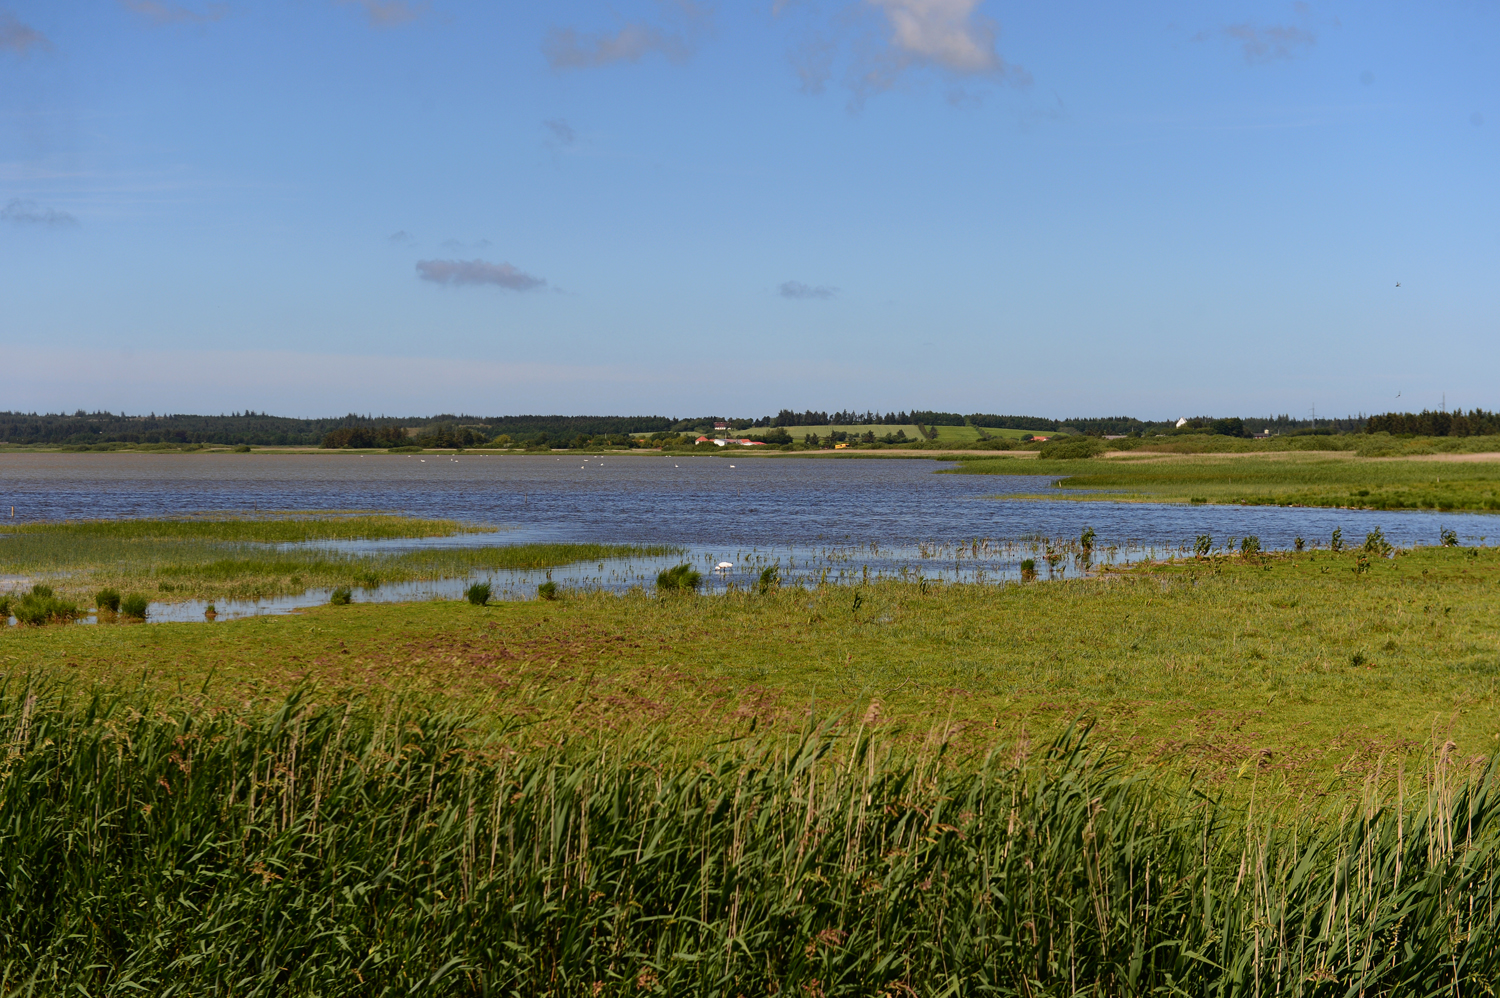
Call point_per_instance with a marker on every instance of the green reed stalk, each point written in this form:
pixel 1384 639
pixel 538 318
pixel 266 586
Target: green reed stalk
pixel 335 850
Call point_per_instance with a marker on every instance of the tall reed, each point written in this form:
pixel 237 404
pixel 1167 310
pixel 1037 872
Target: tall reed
pixel 341 849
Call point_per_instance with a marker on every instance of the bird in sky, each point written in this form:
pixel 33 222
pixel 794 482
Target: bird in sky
pixel 1398 284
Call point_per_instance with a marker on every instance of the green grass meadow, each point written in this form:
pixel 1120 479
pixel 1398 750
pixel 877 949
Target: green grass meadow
pixel 1268 774
pixel 1285 479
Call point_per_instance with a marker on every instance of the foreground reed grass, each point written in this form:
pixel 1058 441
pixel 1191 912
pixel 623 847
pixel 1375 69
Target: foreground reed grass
pixel 252 558
pixel 150 847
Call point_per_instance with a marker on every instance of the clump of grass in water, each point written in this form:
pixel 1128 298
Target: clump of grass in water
pixel 547 590
pixel 478 593
pixel 679 578
pixel 135 606
pixel 107 600
pixel 812 863
pixel 42 606
pixel 342 596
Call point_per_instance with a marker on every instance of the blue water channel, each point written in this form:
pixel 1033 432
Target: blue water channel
pixel 826 519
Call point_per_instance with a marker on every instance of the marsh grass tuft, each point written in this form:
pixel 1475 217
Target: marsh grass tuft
pixel 135 606
pixel 107 600
pixel 547 590
pixel 679 578
pixel 478 594
pixel 342 596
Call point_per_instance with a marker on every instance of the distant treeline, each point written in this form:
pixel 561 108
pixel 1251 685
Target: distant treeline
pixel 83 428
pixel 259 428
pixel 1474 423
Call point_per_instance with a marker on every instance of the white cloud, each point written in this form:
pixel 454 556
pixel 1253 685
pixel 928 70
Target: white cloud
pixel 466 272
pixel 946 33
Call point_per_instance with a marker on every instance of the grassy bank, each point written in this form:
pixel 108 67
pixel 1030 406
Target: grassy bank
pixel 1284 479
pixel 1300 671
pixel 326 848
pixel 245 558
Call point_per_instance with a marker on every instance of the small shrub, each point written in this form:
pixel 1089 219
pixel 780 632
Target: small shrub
pixel 1336 542
pixel 1449 538
pixel 679 578
pixel 108 600
pixel 1070 448
pixel 478 593
pixel 134 606
pixel 42 592
pixel 547 590
pixel 1298 544
pixel 242 449
pixel 1086 539
pixel 1361 563
pixel 1249 546
pixel 342 596
pixel 5 602
pixel 1203 545
pixel 1376 543
pixel 770 578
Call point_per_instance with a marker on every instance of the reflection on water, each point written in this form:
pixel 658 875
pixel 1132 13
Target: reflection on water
pixel 817 519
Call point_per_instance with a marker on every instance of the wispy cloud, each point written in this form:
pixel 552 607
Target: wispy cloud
pixel 389 13
pixel 20 38
pixel 562 132
pixel 23 211
pixel 569 48
pixel 465 272
pixel 167 13
pixel 458 244
pixel 402 238
pixel 1261 44
pixel 876 44
pixel 798 291
pixel 1276 41
pixel 946 33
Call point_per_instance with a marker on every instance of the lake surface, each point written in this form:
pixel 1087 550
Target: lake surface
pixel 817 518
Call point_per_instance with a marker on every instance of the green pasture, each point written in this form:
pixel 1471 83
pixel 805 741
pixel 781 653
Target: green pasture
pixel 1218 775
pixel 1305 670
pixel 234 557
pixel 1284 479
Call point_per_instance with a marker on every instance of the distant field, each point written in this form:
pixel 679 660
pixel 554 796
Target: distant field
pixel 946 434
pixel 1330 479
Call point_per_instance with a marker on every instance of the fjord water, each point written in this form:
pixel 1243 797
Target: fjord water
pixel 817 518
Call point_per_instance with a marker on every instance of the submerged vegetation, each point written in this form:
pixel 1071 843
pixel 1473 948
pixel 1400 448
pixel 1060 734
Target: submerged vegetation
pixel 250 558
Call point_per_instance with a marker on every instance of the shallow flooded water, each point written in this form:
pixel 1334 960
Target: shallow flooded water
pixel 817 519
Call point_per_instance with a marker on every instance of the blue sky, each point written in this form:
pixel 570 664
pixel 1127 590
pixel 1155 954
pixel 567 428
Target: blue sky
pixel 667 206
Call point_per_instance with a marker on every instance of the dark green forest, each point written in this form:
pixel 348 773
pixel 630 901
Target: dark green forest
pixel 106 430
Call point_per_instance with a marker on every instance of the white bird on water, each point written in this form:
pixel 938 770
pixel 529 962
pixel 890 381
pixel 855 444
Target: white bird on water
pixel 723 566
